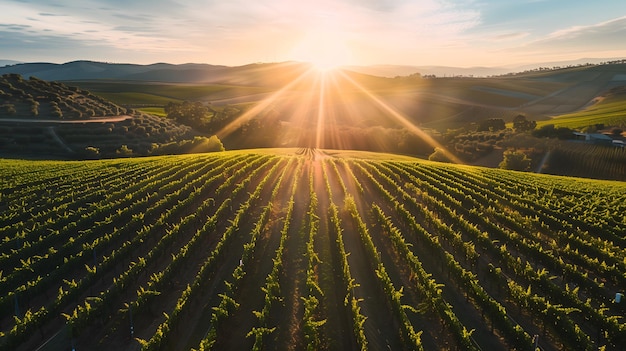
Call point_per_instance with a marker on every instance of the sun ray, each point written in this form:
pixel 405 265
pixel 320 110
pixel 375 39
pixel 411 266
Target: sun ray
pixel 321 112
pixel 262 105
pixel 403 120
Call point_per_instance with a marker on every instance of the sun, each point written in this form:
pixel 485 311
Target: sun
pixel 324 49
pixel 325 64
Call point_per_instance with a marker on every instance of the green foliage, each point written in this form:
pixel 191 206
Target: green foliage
pixel 503 243
pixel 91 152
pixel 491 125
pixel 515 160
pixel 521 124
pixel 124 151
pixel 194 114
pixel 609 112
pixel 586 160
pixel 550 131
pixel 37 98
pixel 196 145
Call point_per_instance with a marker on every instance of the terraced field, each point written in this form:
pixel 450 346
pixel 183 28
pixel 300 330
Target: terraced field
pixel 291 249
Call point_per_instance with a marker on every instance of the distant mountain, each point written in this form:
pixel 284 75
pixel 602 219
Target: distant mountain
pixel 567 63
pixel 439 71
pixel 266 74
pixel 8 62
pixel 257 74
pixel 447 71
pixel 79 70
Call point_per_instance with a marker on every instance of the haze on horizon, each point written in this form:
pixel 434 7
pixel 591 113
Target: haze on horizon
pixel 349 32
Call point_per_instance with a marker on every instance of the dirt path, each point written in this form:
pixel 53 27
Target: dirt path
pixel 338 324
pixel 233 331
pixel 293 280
pixel 381 328
pixel 68 121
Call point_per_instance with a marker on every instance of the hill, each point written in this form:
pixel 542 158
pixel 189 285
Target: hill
pixel 437 103
pixel 292 105
pixel 294 247
pixel 8 62
pixel 31 98
pixel 607 109
pixel 49 119
pixel 538 94
pixel 253 74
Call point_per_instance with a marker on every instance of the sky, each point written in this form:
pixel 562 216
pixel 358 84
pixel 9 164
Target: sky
pixel 350 32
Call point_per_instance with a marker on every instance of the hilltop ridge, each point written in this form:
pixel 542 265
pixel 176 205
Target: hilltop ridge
pixel 40 119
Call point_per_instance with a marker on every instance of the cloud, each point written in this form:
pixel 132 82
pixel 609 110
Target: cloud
pixel 608 35
pixel 46 14
pixel 15 27
pixel 509 36
pixel 243 31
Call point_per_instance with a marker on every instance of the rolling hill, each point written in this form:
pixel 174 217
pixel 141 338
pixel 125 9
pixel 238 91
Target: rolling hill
pixel 607 109
pixel 43 119
pixel 292 105
pixel 440 103
pixel 282 248
pixel 538 94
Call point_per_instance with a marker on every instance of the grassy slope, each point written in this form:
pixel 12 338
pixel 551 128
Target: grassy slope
pixel 162 93
pixel 442 103
pixel 427 101
pixel 610 112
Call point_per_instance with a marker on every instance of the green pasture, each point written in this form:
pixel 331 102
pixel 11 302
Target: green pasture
pixel 139 93
pixel 155 111
pixel 610 112
pixel 134 98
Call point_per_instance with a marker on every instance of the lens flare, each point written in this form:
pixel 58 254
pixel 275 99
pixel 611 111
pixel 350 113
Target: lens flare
pixel 331 109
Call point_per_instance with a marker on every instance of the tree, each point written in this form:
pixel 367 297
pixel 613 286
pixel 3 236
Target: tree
pixel 91 152
pixel 197 144
pixel 440 155
pixel 521 124
pixel 491 124
pixel 9 109
pixel 550 131
pixel 515 160
pixel 193 114
pixel 124 150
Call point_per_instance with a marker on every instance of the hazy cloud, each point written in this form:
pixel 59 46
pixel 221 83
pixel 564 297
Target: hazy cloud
pixel 605 36
pixel 46 14
pixel 374 31
pixel 509 36
pixel 16 27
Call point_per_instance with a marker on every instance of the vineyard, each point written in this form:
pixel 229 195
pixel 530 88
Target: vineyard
pixel 306 249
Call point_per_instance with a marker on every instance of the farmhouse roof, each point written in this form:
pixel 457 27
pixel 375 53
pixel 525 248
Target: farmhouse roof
pixel 593 136
pixel 599 136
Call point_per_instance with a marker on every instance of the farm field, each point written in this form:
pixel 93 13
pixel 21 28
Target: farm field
pixel 610 112
pixel 157 94
pixel 283 249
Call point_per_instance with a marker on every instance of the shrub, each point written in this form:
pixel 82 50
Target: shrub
pixel 91 152
pixel 439 155
pixel 515 160
pixel 124 151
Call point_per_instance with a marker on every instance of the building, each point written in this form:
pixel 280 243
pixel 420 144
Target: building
pixel 594 138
